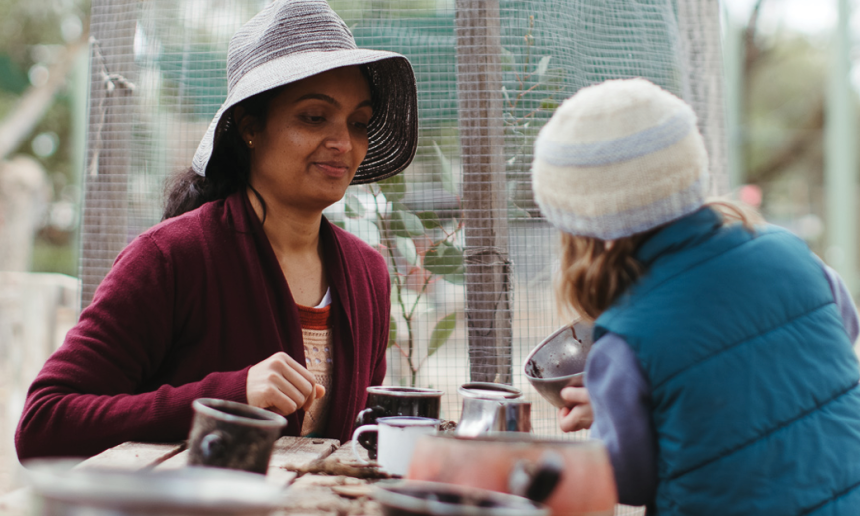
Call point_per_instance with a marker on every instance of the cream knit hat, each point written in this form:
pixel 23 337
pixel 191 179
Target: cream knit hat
pixel 619 158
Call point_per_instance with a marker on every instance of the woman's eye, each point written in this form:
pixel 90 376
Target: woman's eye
pixel 314 119
pixel 360 125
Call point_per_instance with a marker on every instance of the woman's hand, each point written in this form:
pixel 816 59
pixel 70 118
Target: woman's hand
pixel 282 385
pixel 577 415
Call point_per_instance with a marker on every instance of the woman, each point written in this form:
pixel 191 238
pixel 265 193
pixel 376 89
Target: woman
pixel 245 292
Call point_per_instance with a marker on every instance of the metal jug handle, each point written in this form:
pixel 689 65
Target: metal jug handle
pixel 536 481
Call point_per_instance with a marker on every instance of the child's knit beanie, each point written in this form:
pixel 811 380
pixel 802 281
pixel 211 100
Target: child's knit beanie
pixel 619 158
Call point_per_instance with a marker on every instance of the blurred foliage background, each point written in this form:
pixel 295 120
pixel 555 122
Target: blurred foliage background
pixel 33 36
pixel 780 131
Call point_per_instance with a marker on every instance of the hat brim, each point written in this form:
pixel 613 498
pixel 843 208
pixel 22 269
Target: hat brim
pixel 392 132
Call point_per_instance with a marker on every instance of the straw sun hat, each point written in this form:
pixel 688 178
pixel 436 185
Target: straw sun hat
pixel 291 40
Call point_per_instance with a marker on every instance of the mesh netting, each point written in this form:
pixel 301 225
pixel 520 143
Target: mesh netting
pixel 471 258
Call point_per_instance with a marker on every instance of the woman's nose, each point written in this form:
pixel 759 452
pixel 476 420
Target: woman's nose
pixel 339 140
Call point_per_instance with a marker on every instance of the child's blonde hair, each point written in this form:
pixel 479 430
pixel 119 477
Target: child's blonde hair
pixel 594 273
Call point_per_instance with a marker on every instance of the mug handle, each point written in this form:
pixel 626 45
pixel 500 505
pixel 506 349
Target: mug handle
pixel 358 431
pixel 367 416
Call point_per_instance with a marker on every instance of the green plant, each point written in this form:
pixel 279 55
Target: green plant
pixel 422 248
pixel 530 94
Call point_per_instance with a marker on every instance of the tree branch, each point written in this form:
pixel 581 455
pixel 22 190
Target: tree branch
pixel 36 100
pixel 795 149
pixel 752 51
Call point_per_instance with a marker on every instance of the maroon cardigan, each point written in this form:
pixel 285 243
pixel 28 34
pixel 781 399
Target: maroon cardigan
pixel 185 311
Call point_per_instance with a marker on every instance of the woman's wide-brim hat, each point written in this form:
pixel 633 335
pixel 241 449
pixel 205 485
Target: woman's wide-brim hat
pixel 291 40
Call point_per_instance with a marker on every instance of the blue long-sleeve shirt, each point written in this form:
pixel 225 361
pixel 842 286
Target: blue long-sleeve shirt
pixel 621 398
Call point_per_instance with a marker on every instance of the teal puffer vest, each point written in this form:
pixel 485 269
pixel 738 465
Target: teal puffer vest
pixel 755 396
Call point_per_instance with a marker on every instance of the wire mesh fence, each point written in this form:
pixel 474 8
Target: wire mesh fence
pixel 470 256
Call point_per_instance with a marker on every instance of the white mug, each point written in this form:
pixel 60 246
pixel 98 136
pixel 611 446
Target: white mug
pixel 396 440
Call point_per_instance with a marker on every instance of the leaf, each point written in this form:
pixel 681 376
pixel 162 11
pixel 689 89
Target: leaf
pixel 394 188
pixel 515 212
pixel 411 223
pixel 405 224
pixel 429 219
pixel 354 209
pixel 363 229
pixel 443 259
pixel 446 172
pixel 549 104
pixel 442 332
pixel 554 77
pixel 457 278
pixel 392 331
pixel 406 248
pixel 542 67
pixel 506 59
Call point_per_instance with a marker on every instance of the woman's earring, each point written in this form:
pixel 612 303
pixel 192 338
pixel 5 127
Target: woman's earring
pixel 250 143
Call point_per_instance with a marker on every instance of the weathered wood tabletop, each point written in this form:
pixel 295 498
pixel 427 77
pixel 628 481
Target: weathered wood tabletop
pixel 321 476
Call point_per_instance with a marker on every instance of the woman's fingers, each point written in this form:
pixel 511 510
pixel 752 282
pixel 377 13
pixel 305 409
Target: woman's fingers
pixel 295 374
pixel 276 401
pixel 295 365
pixel 319 392
pixel 281 384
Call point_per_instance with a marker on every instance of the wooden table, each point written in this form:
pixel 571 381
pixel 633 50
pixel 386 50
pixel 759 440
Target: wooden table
pixel 297 464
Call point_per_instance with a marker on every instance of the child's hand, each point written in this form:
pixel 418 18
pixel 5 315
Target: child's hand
pixel 578 414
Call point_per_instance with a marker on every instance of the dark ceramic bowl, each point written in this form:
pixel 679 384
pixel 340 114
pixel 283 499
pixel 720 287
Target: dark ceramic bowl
pixel 420 498
pixel 559 361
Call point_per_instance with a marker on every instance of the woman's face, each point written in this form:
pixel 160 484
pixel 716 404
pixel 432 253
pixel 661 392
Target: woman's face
pixel 314 138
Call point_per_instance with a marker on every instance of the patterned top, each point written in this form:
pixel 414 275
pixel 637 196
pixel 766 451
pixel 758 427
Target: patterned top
pixel 317 334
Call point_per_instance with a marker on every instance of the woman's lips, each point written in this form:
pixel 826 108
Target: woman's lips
pixel 333 168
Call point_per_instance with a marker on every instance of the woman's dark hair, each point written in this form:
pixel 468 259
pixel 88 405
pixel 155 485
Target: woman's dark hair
pixel 229 167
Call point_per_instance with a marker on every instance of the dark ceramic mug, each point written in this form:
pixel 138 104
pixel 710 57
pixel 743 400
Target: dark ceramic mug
pixel 385 401
pixel 226 434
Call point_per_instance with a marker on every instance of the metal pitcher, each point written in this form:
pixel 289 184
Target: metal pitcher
pixel 483 415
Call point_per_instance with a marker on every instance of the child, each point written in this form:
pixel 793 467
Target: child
pixel 722 378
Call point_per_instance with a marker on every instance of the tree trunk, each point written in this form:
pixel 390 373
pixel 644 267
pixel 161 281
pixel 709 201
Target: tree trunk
pixel 104 230
pixel 488 271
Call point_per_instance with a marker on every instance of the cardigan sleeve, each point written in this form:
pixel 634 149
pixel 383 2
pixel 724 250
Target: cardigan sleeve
pixel 88 396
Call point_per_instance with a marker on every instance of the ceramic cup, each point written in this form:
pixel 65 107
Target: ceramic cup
pixel 386 401
pixel 226 434
pixel 397 437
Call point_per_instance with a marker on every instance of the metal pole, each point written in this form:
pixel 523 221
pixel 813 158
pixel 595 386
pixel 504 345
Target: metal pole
pixel 840 158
